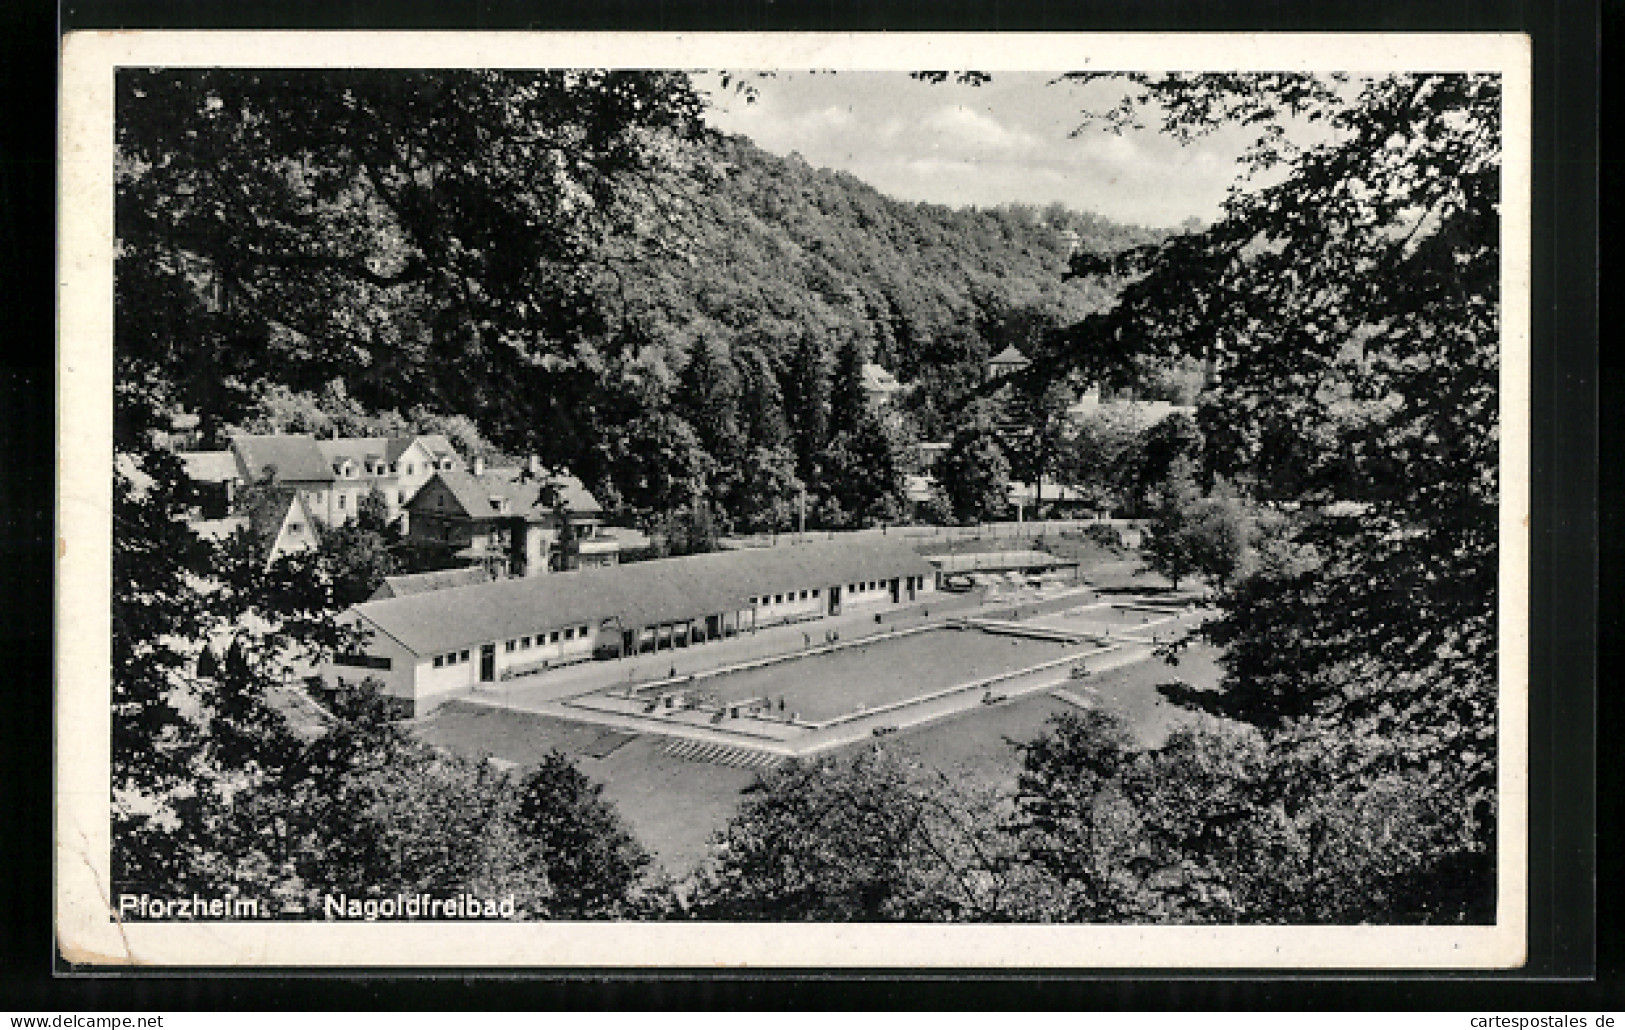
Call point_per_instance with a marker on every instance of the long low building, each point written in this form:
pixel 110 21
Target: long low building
pixel 426 647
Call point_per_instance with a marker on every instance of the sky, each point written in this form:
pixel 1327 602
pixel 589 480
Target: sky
pixel 1002 142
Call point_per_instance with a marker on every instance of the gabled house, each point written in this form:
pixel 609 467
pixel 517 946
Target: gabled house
pixel 1007 362
pixel 500 519
pixel 278 518
pixel 334 474
pixel 289 460
pixel 879 385
pixel 360 465
pixel 413 461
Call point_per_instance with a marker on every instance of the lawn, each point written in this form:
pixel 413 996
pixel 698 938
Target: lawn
pixel 672 805
pixel 888 669
pixel 980 743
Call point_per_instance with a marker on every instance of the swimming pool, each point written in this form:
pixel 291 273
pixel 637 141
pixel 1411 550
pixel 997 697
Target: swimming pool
pixel 882 671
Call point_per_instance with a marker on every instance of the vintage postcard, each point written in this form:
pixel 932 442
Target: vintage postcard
pixel 760 501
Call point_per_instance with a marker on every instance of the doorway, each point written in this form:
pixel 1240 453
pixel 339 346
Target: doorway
pixel 835 600
pixel 896 591
pixel 488 663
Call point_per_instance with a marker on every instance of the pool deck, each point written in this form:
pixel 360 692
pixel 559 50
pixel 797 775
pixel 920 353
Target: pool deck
pixel 590 692
pixel 792 741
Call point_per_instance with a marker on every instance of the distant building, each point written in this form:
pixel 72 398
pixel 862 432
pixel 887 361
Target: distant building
pixel 278 518
pixel 290 460
pixel 500 520
pixel 1067 500
pixel 216 476
pixel 879 385
pixel 425 582
pixel 414 459
pixel 1095 402
pixel 360 465
pixel 1007 362
pixel 334 474
pixel 427 647
pixel 930 453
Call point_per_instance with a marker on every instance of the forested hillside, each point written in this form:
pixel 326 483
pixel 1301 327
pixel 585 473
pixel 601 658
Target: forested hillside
pixel 680 318
pixel 780 250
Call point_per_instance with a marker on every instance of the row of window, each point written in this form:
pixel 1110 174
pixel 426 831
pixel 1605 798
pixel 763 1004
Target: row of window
pixel 524 643
pixel 450 659
pixel 394 469
pixel 781 598
pixel 851 588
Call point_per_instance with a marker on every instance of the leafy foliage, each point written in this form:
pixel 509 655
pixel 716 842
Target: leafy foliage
pixel 975 475
pixel 1352 309
pixel 871 838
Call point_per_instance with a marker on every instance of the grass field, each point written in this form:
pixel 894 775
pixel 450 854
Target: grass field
pixel 981 743
pixel 888 669
pixel 673 805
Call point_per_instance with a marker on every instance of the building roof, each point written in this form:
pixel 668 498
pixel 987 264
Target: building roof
pixel 266 515
pixel 482 496
pixel 358 449
pixel 425 582
pixel 269 511
pixel 876 377
pixel 1009 356
pixel 640 594
pixel 998 561
pixel 296 458
pixel 435 443
pixel 210 466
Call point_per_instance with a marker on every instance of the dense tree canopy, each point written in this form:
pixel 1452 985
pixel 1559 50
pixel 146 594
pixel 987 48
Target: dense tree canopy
pixel 1352 307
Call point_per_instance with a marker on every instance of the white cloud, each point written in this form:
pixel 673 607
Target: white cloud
pixel 965 125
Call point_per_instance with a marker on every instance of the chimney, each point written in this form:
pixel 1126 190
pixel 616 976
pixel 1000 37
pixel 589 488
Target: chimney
pixel 533 465
pixel 479 465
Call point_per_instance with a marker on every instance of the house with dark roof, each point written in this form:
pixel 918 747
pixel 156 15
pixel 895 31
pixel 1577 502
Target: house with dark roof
pixel 505 520
pixel 1006 362
pixel 334 474
pixel 413 461
pixel 290 460
pixel 278 518
pixel 427 647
